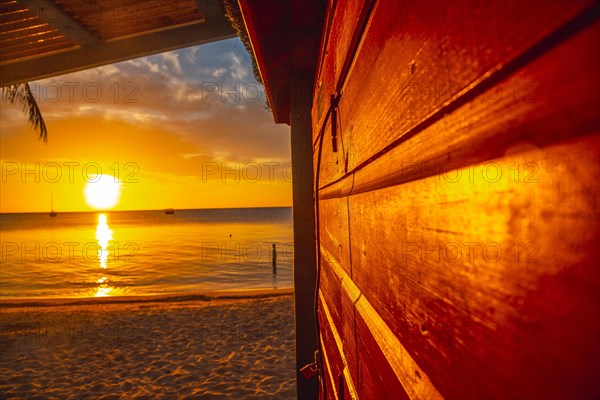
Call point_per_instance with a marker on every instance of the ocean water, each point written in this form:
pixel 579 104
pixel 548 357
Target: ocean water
pixel 126 253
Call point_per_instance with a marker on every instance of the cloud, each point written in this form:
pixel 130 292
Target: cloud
pixel 172 59
pixel 239 71
pixel 219 72
pixel 141 64
pixel 190 54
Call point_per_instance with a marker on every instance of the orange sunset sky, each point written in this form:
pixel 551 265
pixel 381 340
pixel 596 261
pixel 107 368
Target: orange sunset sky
pixel 183 129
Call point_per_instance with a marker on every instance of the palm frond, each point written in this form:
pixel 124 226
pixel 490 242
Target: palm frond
pixel 21 93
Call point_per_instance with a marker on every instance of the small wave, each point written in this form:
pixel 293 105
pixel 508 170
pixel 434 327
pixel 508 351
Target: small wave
pixel 159 298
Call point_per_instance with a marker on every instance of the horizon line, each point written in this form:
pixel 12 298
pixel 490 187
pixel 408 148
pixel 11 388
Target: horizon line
pixel 149 209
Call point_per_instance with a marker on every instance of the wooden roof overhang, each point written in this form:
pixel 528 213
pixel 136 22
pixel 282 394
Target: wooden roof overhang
pixel 285 38
pixel 43 38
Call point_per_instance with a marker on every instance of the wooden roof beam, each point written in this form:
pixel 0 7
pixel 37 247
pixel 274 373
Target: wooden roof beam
pixel 47 11
pixel 111 52
pixel 210 9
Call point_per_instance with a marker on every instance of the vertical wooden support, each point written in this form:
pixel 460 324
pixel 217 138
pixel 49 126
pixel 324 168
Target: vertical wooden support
pixel 304 230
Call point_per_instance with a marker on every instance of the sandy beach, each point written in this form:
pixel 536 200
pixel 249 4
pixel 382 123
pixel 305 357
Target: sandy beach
pixel 203 348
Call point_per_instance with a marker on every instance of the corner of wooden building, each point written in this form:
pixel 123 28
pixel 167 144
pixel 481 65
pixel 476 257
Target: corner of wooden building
pixel 446 200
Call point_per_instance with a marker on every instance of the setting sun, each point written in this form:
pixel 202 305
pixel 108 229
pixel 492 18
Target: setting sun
pixel 102 192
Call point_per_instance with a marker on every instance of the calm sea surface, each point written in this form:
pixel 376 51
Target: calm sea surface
pixel 143 252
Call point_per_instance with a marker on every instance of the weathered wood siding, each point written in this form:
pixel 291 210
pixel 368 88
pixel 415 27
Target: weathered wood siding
pixel 458 199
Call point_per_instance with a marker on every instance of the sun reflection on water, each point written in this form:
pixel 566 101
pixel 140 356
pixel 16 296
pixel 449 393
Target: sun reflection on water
pixel 103 235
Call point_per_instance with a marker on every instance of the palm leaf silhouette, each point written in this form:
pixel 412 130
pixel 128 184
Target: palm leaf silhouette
pixel 21 93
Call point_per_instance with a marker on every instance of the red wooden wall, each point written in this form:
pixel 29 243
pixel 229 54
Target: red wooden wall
pixel 458 199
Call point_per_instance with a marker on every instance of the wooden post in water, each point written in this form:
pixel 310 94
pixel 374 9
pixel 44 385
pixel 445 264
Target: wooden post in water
pixel 274 258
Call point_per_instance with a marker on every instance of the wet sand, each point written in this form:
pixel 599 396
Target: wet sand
pixel 210 347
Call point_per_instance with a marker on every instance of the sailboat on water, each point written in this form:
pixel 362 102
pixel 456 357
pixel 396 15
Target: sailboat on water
pixel 52 213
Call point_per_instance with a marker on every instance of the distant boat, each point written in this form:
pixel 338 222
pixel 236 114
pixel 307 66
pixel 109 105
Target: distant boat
pixel 169 211
pixel 52 213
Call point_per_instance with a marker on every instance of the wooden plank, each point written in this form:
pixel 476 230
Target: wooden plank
pixel 7 19
pixel 343 357
pixel 339 302
pixel 330 385
pixel 34 49
pixel 11 46
pixel 23 29
pixel 376 377
pixel 332 343
pixel 324 81
pixel 348 335
pixel 491 283
pixel 9 8
pixel 331 286
pixel 346 31
pixel 209 9
pixel 118 19
pixel 333 225
pixel 332 164
pixel 415 56
pixel 342 36
pixel 385 354
pixel 546 102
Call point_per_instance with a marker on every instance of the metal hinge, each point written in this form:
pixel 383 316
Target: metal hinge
pixel 312 369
